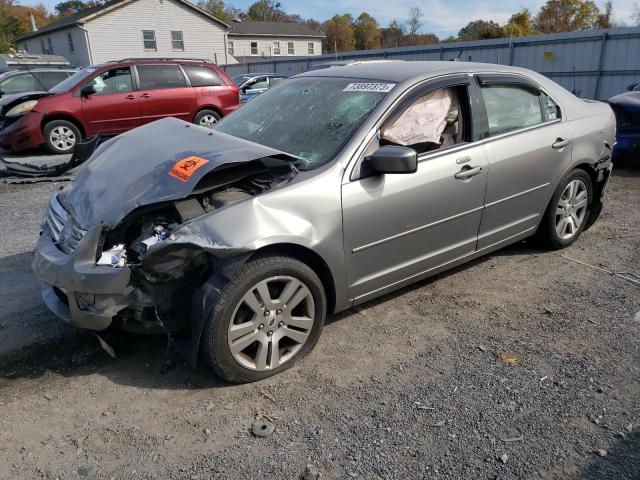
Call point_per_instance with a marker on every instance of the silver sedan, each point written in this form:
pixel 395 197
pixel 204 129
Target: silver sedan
pixel 330 189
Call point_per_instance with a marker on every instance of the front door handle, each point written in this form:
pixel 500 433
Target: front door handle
pixel 468 172
pixel 130 97
pixel 560 143
pixel 146 95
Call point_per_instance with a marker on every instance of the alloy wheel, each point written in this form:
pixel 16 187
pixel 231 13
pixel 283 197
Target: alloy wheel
pixel 208 121
pixel 271 323
pixel 571 209
pixel 63 138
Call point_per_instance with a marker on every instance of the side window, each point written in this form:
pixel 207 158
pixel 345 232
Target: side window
pixel 202 76
pixel 19 84
pixel 511 107
pixel 434 121
pixel 550 109
pixel 273 81
pixel 155 77
pixel 51 79
pixel 258 83
pixel 116 80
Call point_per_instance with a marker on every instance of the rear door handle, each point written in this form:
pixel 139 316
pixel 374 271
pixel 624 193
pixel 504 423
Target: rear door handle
pixel 468 172
pixel 560 143
pixel 146 95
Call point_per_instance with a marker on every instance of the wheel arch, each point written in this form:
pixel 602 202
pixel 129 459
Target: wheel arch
pixel 68 118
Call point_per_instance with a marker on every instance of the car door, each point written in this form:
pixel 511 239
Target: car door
pixel 528 148
pixel 112 108
pixel 164 92
pixel 254 87
pixel 399 227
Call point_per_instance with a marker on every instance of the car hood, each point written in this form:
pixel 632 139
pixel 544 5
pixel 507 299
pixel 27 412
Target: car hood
pixel 9 101
pixel 159 162
pixel 629 101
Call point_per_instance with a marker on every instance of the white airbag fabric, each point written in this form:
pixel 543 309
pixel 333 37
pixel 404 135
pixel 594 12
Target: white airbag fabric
pixel 424 121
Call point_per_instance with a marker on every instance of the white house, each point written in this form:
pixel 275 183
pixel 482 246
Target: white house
pixel 131 29
pixel 249 41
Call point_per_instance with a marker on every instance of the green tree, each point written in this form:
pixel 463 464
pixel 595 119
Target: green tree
pixel 520 24
pixel 366 33
pixel 481 30
pixel 218 9
pixel 557 16
pixel 64 9
pixel 339 34
pixel 265 11
pixel 391 37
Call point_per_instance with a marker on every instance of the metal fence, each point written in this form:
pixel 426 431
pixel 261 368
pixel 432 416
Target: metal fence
pixel 595 64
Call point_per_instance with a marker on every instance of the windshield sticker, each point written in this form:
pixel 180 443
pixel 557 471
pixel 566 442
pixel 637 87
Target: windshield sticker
pixel 369 87
pixel 183 169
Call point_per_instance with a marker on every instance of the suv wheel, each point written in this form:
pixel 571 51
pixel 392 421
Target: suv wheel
pixel 61 136
pixel 268 317
pixel 206 118
pixel 568 212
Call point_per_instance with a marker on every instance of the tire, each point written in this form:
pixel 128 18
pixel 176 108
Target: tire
pixel 207 118
pixel 553 232
pixel 61 136
pixel 239 339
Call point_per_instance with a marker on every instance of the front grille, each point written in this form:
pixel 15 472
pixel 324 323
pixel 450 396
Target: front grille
pixel 65 231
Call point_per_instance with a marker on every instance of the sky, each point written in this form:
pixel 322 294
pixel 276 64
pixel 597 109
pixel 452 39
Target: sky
pixel 442 17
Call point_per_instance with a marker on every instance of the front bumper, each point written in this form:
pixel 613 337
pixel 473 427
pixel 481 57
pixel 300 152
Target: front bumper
pixel 23 133
pixel 75 288
pixel 627 145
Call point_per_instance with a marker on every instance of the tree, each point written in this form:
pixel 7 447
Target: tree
pixel 481 30
pixel 313 24
pixel 414 22
pixel 265 11
pixel 557 16
pixel 636 14
pixel 366 33
pixel 69 7
pixel 339 34
pixel 218 9
pixel 14 21
pixel 391 36
pixel 420 39
pixel 520 24
pixel 605 17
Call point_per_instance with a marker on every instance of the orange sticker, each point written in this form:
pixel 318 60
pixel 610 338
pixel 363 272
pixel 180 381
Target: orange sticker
pixel 183 169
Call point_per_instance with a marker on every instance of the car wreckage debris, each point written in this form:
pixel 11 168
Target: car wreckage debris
pixel 17 172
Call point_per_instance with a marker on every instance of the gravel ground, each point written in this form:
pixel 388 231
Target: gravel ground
pixel 522 364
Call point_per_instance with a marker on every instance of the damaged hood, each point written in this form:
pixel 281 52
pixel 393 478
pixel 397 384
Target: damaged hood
pixel 159 162
pixel 629 101
pixel 9 101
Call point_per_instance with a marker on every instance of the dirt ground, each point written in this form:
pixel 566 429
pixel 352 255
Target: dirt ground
pixel 523 364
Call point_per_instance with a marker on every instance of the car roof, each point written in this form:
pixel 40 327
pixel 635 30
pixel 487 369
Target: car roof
pixel 399 70
pixel 155 61
pixel 9 73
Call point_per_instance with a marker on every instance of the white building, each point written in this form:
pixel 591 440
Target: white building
pixel 249 41
pixel 131 29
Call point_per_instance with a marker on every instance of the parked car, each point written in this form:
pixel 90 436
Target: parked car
pixel 627 109
pixel 115 97
pixel 21 81
pixel 634 87
pixel 337 187
pixel 254 84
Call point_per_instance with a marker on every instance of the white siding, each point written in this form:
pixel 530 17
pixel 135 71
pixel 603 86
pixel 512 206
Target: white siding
pixel 242 46
pixel 118 33
pixel 60 43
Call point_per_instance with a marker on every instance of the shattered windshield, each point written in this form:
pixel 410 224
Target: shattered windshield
pixel 311 118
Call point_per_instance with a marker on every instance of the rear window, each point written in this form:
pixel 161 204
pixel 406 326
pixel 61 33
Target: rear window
pixel 154 77
pixel 202 76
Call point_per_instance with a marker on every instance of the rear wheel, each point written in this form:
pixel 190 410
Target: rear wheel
pixel 61 136
pixel 268 317
pixel 568 211
pixel 206 118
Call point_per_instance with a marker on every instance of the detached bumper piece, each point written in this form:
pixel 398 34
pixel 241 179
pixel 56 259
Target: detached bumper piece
pixel 26 172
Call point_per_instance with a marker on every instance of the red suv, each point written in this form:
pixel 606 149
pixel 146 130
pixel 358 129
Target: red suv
pixel 113 98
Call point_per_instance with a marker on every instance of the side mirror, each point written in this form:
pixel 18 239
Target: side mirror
pixel 88 90
pixel 393 159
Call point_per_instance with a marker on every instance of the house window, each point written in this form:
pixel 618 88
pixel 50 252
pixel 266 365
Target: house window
pixel 310 48
pixel 70 40
pixel 42 47
pixel 276 48
pixel 254 48
pixel 177 42
pixel 50 45
pixel 149 40
pixel 290 49
pixel 230 48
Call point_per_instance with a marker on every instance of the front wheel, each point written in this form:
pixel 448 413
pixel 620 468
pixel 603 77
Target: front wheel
pixel 61 136
pixel 207 118
pixel 568 211
pixel 268 317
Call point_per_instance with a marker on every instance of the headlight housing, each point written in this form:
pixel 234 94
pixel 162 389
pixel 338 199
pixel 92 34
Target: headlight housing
pixel 22 108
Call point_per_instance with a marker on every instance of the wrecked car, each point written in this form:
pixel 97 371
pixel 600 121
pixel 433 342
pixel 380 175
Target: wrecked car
pixel 329 190
pixel 627 110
